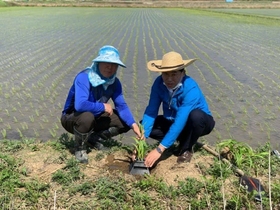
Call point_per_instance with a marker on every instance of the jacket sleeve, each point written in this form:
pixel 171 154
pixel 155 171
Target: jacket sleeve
pixel 121 105
pixel 190 99
pixel 82 92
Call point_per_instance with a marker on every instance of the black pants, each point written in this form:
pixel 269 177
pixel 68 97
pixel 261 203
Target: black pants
pixel 198 124
pixel 85 122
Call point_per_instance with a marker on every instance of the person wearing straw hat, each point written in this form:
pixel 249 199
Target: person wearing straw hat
pixel 186 115
pixel 87 113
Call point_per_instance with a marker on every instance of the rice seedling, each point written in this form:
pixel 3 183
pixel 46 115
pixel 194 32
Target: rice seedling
pixel 268 134
pixel 140 146
pixel 37 112
pixel 20 133
pixel 24 126
pixel 4 133
pixel 31 117
pixel 7 95
pixel 36 133
pixel 8 126
pixel 7 112
pixel 256 109
pixel 56 127
pixel 53 133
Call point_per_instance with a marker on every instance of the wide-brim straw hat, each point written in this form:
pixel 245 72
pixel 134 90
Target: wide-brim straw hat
pixel 109 54
pixel 171 61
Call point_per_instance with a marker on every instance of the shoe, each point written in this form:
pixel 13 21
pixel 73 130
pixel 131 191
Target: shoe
pixel 109 133
pixel 80 149
pixel 100 146
pixel 176 151
pixel 96 142
pixel 81 156
pixel 104 135
pixel 185 157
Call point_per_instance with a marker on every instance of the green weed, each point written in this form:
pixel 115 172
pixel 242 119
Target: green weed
pixel 85 188
pixel 190 187
pixel 35 190
pixel 110 190
pixel 11 146
pixel 140 199
pixel 219 169
pixel 242 154
pixel 9 173
pixel 70 173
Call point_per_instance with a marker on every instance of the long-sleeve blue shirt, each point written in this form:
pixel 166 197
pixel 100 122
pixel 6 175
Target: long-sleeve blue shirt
pixel 176 107
pixel 83 97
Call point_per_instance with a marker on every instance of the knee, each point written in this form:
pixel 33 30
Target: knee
pixel 201 122
pixel 196 117
pixel 86 121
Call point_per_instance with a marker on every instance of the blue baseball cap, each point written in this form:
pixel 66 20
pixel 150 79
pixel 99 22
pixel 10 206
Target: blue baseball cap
pixel 109 54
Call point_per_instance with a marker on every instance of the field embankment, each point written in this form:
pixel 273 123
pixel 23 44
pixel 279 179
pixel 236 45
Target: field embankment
pixel 150 4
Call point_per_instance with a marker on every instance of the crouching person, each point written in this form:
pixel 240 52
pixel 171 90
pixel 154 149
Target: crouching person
pixel 186 115
pixel 87 113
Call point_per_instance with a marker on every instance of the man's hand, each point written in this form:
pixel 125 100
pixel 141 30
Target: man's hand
pixel 152 157
pixel 108 109
pixel 136 130
pixel 133 156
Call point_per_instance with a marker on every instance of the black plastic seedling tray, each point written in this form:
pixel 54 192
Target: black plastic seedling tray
pixel 138 167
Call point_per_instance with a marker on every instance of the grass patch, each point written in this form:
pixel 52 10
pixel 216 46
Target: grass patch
pixel 2 4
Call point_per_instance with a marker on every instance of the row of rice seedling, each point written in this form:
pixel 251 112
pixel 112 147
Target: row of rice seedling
pixel 229 56
pixel 256 12
pixel 47 87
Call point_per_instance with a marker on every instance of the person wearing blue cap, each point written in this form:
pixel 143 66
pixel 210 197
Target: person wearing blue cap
pixel 87 113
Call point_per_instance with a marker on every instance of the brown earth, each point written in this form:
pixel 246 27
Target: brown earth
pixel 43 163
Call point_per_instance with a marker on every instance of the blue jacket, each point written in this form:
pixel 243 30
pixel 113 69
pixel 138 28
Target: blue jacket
pixel 83 97
pixel 175 108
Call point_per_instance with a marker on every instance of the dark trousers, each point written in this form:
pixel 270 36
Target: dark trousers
pixel 84 122
pixel 198 124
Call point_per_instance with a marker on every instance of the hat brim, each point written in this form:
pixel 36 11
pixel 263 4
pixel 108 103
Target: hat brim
pixel 153 65
pixel 102 59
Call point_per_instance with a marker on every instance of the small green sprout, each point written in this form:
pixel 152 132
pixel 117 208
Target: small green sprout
pixel 141 146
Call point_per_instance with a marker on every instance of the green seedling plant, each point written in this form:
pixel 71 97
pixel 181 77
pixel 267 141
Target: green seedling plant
pixel 242 154
pixel 4 133
pixel 140 146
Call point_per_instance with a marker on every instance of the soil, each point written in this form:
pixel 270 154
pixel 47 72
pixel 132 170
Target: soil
pixel 43 163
